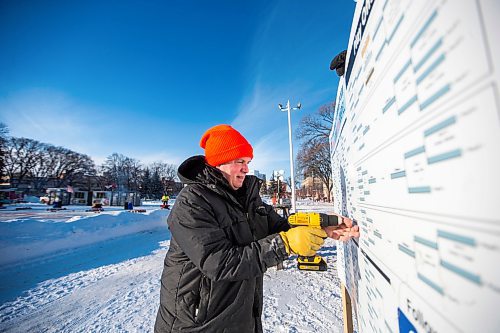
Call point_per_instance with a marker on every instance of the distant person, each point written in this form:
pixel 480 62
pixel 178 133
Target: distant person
pixel 130 205
pixel 224 238
pixel 164 200
pixel 96 205
pixel 57 203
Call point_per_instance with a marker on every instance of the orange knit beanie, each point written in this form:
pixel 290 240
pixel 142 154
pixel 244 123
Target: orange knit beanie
pixel 222 144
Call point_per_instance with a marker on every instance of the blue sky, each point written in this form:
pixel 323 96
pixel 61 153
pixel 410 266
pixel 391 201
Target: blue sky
pixel 146 78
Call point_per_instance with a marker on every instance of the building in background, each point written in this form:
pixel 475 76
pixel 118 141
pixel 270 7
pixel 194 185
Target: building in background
pixel 312 187
pixel 257 174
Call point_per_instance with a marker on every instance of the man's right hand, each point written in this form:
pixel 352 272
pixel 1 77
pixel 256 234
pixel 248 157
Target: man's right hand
pixel 304 241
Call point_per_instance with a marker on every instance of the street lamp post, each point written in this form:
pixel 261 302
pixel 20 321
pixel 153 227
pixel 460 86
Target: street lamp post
pixel 292 173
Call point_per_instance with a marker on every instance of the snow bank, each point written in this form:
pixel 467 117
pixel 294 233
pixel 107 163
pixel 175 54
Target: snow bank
pixel 31 237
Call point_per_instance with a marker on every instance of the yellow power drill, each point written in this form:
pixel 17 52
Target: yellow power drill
pixel 315 220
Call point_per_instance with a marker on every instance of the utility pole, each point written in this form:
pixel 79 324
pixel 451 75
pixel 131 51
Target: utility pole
pixel 292 173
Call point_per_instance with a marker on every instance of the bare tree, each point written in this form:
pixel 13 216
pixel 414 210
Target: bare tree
pixel 29 161
pixel 4 131
pixel 61 165
pixel 70 166
pixel 21 156
pixel 165 170
pixel 314 152
pixel 317 126
pixel 44 168
pixel 314 158
pixel 123 171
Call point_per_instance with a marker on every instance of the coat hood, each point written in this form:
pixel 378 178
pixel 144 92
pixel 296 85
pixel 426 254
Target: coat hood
pixel 196 170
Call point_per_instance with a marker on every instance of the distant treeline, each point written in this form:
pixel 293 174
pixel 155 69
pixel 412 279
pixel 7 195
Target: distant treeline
pixel 33 166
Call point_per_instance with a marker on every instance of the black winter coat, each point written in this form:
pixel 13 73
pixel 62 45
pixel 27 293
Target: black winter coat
pixel 222 243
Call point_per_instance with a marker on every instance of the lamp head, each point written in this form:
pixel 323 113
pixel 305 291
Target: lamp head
pixel 299 105
pixel 280 106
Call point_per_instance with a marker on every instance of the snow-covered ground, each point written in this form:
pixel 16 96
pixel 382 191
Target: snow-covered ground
pixel 78 271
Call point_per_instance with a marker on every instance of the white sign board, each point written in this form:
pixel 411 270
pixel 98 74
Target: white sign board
pixel 416 163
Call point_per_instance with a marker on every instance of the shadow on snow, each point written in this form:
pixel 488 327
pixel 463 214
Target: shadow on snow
pixel 18 278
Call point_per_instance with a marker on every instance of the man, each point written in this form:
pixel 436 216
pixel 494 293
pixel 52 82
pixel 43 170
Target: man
pixel 223 240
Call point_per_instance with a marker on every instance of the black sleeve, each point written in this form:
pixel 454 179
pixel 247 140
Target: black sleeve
pixel 196 230
pixel 275 222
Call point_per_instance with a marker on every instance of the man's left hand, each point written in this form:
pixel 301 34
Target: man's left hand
pixel 344 231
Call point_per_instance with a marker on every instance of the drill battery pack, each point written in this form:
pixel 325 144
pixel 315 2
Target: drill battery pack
pixel 314 263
